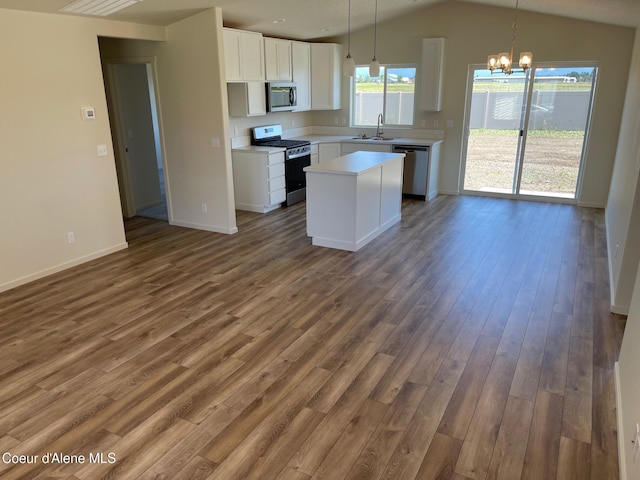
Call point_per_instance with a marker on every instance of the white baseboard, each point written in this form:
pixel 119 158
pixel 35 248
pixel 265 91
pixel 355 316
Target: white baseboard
pixel 622 466
pixel 60 267
pixel 208 228
pixel 590 205
pixel 448 192
pixel 619 309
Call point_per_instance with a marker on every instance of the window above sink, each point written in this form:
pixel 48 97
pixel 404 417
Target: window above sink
pixel 392 94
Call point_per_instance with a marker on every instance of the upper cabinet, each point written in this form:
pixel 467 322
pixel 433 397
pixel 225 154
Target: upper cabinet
pixel 244 56
pixel 277 56
pixel 301 63
pixel 326 76
pixel 433 55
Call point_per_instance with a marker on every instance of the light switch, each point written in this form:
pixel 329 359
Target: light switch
pixel 215 142
pixel 102 151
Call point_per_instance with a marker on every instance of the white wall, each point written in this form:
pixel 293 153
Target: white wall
pixel 193 111
pixel 628 388
pixel 51 180
pixel 473 31
pixel 622 214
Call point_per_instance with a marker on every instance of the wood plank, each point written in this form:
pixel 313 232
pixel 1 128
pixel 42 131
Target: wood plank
pixel 541 459
pixel 459 412
pixel 440 459
pixel 480 439
pixel 574 461
pixel 507 460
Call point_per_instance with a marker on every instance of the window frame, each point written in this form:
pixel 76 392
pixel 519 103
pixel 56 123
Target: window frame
pixel 384 67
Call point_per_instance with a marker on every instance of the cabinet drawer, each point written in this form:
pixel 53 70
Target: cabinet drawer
pixel 276 158
pixel 276 170
pixel 276 183
pixel 278 196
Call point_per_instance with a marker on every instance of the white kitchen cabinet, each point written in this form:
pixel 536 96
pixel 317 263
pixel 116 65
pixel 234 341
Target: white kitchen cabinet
pixel 329 151
pixel 301 73
pixel 258 179
pixel 247 99
pixel 277 59
pixel 369 146
pixel 315 155
pixel 326 76
pixel 243 56
pixel 432 74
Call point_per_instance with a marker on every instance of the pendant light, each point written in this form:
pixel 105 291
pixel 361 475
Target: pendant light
pixel 504 61
pixel 349 65
pixel 374 66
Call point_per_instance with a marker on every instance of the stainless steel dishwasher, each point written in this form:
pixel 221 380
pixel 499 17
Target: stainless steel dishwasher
pixel 416 170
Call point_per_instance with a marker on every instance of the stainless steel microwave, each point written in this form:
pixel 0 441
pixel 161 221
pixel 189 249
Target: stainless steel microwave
pixel 281 96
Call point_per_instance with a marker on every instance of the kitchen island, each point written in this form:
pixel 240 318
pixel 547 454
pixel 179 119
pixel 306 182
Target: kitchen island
pixel 354 198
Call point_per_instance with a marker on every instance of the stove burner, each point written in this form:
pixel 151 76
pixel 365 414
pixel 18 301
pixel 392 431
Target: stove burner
pixel 282 143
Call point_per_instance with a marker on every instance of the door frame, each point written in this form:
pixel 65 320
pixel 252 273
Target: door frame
pixel 523 137
pixel 118 133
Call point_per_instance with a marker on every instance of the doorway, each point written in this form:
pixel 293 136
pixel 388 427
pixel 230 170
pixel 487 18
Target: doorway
pixel 526 133
pixel 136 136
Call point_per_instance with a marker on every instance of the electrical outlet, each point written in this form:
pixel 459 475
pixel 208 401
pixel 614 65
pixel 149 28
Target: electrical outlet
pixel 336 121
pixel 449 123
pixel 215 142
pixel 204 208
pixel 71 238
pixel 102 150
pixel 436 123
pixel 423 123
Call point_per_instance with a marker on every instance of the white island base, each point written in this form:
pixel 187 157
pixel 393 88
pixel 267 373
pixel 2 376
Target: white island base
pixel 354 198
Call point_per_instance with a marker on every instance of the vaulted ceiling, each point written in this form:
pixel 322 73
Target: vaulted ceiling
pixel 308 19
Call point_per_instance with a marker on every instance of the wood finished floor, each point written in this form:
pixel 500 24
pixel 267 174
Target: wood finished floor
pixel 471 341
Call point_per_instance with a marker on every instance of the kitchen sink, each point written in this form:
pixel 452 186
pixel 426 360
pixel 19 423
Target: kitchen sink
pixel 372 138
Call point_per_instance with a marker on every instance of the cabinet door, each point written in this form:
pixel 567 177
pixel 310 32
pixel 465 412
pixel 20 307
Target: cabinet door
pixel 433 54
pixel 301 64
pixel 252 56
pixel 326 76
pixel 247 99
pixel 277 56
pixel 284 60
pixel 232 51
pixel 364 147
pixel 328 151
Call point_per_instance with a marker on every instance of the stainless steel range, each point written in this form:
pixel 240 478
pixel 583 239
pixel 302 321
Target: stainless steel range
pixel 297 155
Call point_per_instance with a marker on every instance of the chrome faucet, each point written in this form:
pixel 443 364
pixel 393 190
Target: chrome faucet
pixel 378 129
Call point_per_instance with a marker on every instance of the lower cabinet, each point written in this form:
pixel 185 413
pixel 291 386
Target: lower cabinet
pixel 328 151
pixel 258 180
pixel 350 147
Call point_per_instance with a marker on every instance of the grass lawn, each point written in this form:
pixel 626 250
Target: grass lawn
pixel 551 162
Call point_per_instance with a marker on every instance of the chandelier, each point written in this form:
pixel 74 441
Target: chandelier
pixel 504 61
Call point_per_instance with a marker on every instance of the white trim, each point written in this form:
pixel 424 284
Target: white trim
pixel 591 205
pixel 619 309
pixel 60 267
pixel 448 192
pixel 208 228
pixel 621 453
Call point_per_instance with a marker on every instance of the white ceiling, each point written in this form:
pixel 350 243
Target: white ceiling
pixel 308 19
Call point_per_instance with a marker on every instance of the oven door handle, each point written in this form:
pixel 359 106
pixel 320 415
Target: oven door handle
pixel 297 155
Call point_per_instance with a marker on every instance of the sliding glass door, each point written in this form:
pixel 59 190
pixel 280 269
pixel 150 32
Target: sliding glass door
pixel 526 132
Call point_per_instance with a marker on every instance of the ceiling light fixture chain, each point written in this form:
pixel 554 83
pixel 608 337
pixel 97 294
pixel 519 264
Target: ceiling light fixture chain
pixel 504 61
